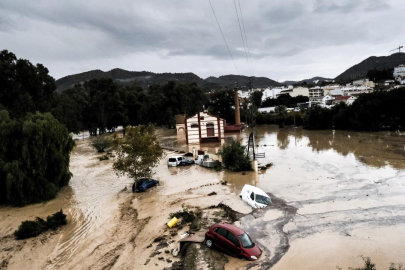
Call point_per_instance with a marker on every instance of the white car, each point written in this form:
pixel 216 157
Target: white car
pixel 179 161
pixel 174 161
pixel 255 197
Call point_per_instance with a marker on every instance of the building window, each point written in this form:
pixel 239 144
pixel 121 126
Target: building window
pixel 201 117
pixel 194 126
pixel 210 125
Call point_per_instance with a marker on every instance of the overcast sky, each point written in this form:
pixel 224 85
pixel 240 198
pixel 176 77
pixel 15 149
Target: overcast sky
pixel 288 40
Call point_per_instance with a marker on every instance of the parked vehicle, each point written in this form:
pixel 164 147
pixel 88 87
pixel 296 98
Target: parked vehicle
pixel 174 161
pixel 143 184
pixel 205 161
pixel 233 241
pixel 255 197
pixel 186 162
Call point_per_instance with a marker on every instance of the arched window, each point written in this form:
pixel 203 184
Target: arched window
pixel 194 126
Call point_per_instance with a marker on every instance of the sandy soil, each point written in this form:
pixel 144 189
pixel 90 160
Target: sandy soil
pixel 336 196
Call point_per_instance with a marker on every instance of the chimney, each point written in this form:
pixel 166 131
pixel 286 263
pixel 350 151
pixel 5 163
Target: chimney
pixel 237 112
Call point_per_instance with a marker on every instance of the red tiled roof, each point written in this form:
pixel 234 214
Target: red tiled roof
pixel 342 97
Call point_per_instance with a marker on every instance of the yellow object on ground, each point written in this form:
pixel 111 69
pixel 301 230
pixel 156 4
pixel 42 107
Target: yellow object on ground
pixel 172 222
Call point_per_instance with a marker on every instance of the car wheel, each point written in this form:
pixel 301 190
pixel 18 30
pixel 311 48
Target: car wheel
pixel 209 243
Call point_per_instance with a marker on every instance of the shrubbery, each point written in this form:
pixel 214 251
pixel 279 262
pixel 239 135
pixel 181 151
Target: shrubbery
pixel 370 112
pixel 29 229
pixel 101 143
pixel 34 158
pixel 369 265
pixel 235 157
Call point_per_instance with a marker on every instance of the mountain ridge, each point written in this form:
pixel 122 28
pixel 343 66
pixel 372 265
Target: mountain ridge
pixel 146 78
pixel 378 62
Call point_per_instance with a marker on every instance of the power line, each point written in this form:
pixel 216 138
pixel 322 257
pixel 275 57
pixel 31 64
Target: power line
pixel 219 26
pixel 243 40
pixel 247 44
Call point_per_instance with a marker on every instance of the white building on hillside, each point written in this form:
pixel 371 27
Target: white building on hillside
pixel 399 71
pixel 315 93
pixel 327 89
pixel 300 91
pixel 274 92
pixel 364 82
pixel 244 94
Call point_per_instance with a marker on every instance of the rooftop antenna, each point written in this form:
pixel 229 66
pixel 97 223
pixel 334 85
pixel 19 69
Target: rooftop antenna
pixel 399 48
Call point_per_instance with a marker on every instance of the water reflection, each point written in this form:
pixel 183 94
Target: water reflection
pixel 377 149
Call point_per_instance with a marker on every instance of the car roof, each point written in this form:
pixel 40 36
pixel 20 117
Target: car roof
pixel 256 190
pixel 230 227
pixel 175 156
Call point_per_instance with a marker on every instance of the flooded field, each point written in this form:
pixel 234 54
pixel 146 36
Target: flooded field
pixel 337 195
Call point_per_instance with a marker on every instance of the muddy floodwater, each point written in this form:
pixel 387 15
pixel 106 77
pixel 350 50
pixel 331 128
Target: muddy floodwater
pixel 337 196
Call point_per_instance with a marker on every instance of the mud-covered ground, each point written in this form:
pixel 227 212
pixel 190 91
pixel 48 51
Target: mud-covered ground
pixel 336 196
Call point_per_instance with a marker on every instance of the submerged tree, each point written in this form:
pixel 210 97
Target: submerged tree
pixel 138 152
pixel 235 157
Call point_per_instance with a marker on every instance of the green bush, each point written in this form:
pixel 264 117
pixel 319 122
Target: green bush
pixel 34 158
pixel 29 229
pixel 101 143
pixel 235 157
pixel 56 220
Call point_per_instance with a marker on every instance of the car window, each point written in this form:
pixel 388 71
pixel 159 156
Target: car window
pixel 246 241
pixel 140 182
pixel 252 196
pixel 179 159
pixel 172 160
pixel 222 232
pixel 231 237
pixel 262 199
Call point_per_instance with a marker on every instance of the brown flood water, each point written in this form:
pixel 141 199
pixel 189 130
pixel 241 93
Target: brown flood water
pixel 347 189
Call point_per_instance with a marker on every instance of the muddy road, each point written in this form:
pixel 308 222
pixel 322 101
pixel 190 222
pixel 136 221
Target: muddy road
pixel 337 196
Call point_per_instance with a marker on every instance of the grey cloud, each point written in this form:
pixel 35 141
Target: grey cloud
pixel 75 30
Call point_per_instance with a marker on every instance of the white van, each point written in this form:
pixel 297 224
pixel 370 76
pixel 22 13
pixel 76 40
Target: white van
pixel 174 161
pixel 255 197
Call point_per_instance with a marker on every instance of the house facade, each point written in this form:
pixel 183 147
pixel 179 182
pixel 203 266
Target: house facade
pixel 202 127
pixel 315 93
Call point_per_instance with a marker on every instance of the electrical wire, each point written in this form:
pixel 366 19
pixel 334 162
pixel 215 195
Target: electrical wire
pixel 246 40
pixel 226 43
pixel 243 39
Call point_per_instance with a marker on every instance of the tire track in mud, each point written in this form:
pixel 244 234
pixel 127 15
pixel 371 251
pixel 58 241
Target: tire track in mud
pixel 258 231
pixel 128 222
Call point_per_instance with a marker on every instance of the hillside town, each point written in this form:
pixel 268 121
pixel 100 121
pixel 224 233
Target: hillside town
pixel 330 94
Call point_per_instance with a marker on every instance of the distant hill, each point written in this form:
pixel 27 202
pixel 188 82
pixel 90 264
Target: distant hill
pixel 308 81
pixel 230 81
pixel 378 62
pixel 146 78
pixel 142 78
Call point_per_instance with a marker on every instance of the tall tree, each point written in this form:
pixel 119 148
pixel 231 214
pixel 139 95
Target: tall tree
pixel 24 87
pixel 34 158
pixel 138 152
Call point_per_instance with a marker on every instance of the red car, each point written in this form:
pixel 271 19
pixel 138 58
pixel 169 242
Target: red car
pixel 233 241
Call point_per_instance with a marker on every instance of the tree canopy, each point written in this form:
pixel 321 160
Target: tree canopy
pixel 138 152
pixel 235 157
pixel 34 158
pixel 24 87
